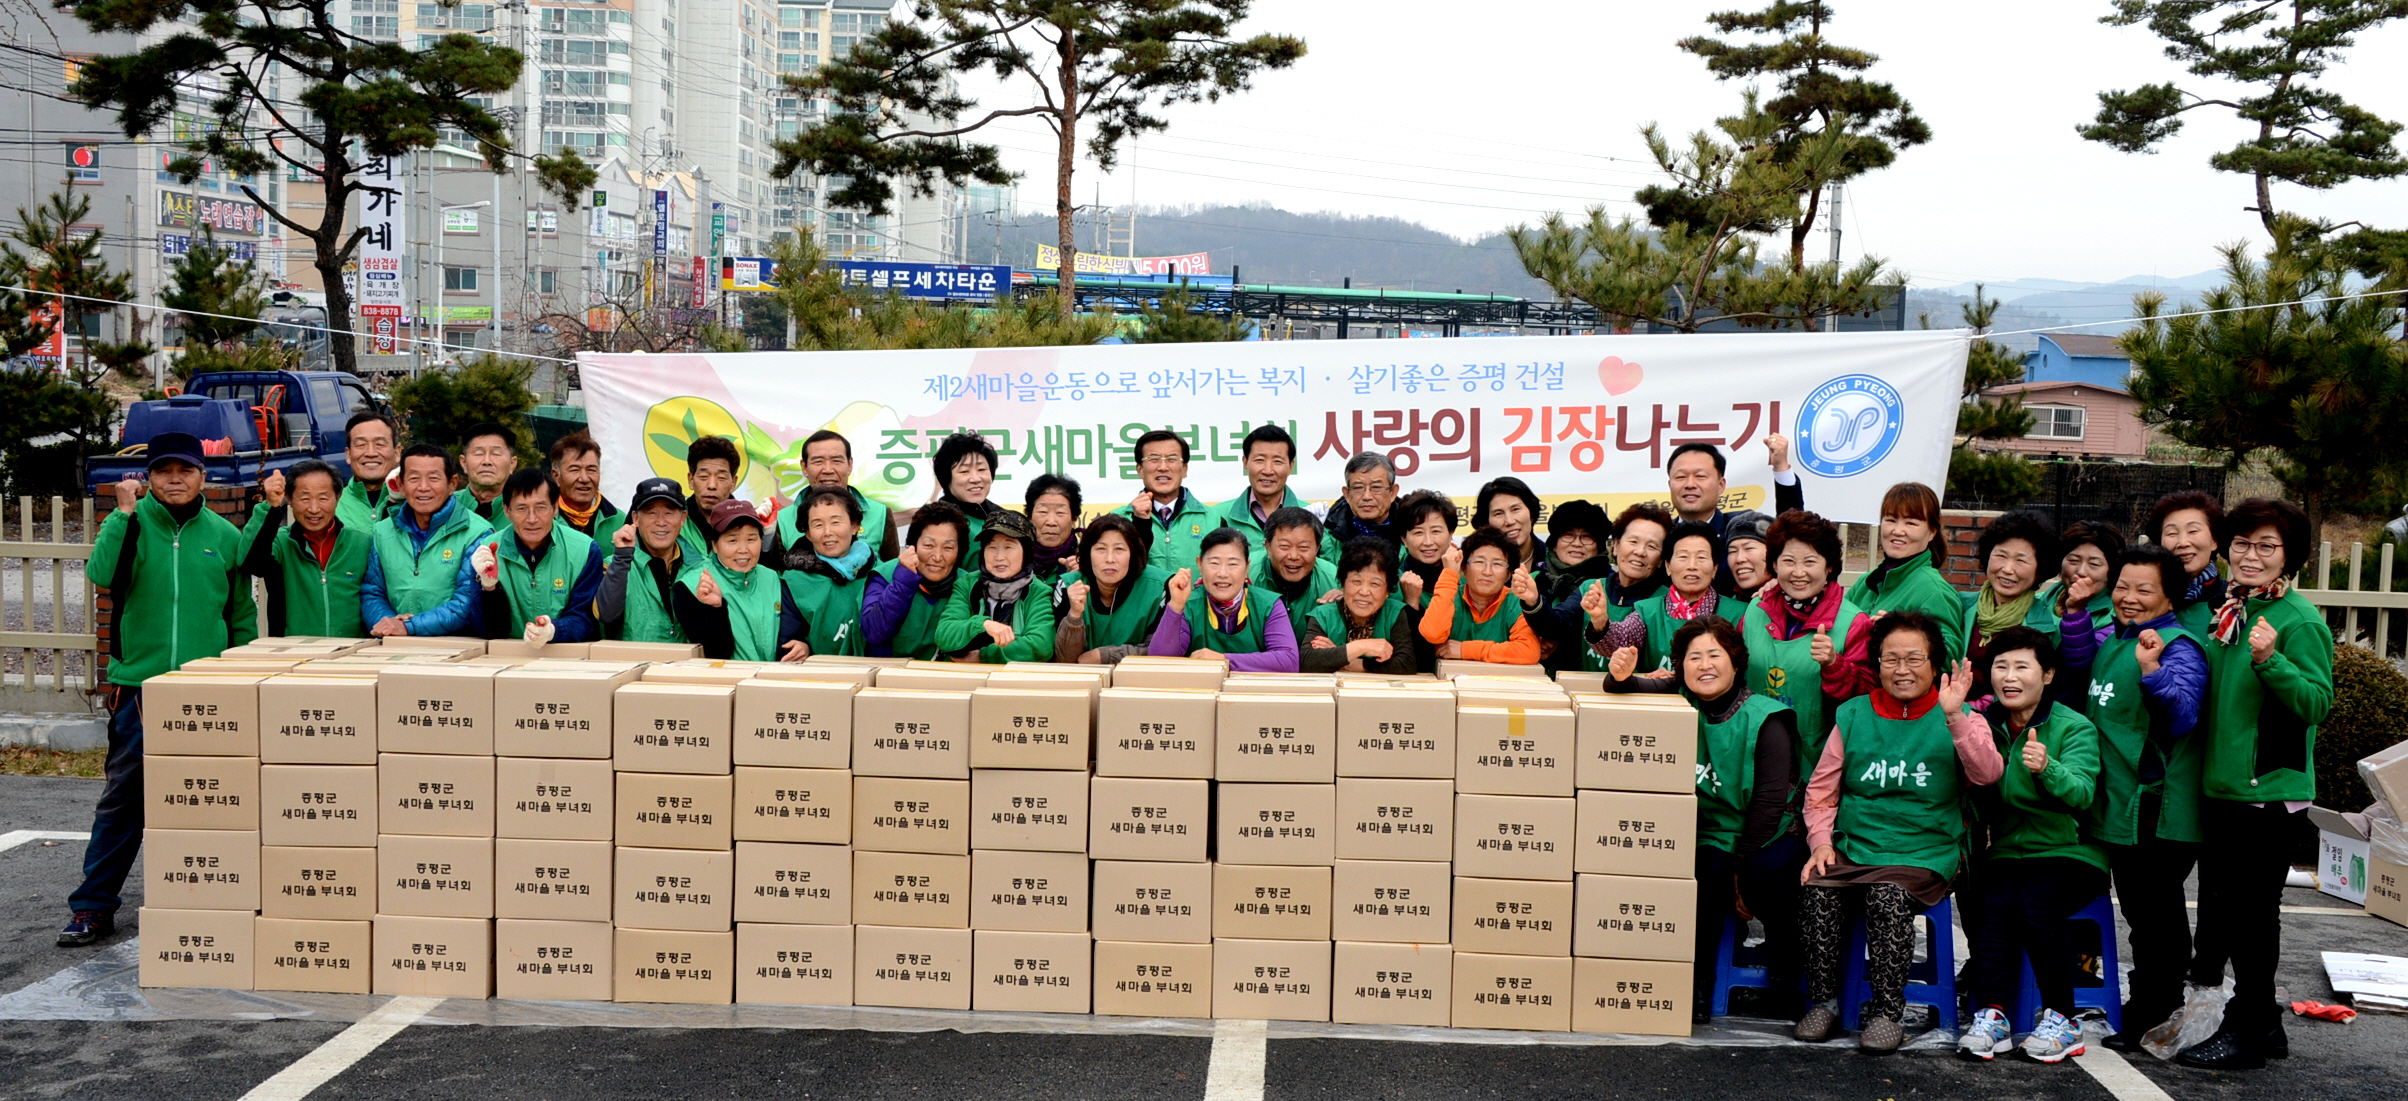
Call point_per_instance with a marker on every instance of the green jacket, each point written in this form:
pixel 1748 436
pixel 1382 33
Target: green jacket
pixel 421 579
pixel 2261 720
pixel 830 608
pixel 2040 814
pixel 305 598
pixel 1032 623
pixel 1916 585
pixel 1176 543
pixel 176 589
pixel 1238 512
pixel 356 512
pixel 490 510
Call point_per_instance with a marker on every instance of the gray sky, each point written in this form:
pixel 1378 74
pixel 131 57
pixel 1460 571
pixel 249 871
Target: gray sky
pixel 1472 117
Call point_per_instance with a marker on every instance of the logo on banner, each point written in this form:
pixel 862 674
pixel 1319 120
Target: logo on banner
pixel 1848 425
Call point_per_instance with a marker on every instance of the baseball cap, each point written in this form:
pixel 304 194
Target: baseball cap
pixel 731 512
pixel 656 489
pixel 1007 523
pixel 182 447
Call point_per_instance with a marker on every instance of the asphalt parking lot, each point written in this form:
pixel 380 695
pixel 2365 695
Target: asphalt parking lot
pixel 192 1060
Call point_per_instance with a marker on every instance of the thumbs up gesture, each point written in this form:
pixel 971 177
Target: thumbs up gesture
pixel 2035 755
pixel 273 489
pixel 2261 640
pixel 1592 601
pixel 1825 654
pixel 2151 649
pixel 706 589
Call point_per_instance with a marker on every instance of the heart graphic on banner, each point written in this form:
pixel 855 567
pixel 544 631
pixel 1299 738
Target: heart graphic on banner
pixel 1619 378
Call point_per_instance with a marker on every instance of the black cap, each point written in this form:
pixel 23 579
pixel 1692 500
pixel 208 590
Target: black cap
pixel 1746 524
pixel 656 489
pixel 182 447
pixel 1580 514
pixel 1005 522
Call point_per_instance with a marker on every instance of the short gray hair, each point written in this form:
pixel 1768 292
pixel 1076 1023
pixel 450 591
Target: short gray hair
pixel 1367 460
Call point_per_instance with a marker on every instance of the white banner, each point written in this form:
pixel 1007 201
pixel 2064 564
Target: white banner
pixel 1589 416
pixel 378 297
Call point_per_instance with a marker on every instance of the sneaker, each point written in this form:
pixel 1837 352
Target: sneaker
pixel 1815 1027
pixel 87 928
pixel 1880 1036
pixel 2054 1039
pixel 1988 1036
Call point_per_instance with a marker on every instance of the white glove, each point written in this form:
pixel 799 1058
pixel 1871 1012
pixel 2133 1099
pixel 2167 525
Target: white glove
pixel 539 631
pixel 487 565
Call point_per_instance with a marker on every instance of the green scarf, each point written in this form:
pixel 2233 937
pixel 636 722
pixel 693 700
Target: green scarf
pixel 1991 617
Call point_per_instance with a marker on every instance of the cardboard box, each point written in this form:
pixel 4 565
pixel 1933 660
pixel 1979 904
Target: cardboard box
pixel 810 805
pixel 1154 732
pixel 306 720
pixel 1514 836
pixel 1635 747
pixel 324 806
pixel 1270 980
pixel 921 890
pixel 934 677
pixel 794 724
pixel 1160 901
pixel 1451 668
pixel 1392 984
pixel 1580 680
pixel 519 648
pixel 2386 774
pixel 435 957
pixel 1030 972
pixel 1270 901
pixel 1275 738
pixel 434 876
pixel 897 732
pixel 794 884
pixel 914 968
pixel 201 869
pixel 1513 751
pixel 1395 819
pixel 642 651
pixel 551 880
pixel 201 793
pixel 674 889
pixel 2341 853
pixel 316 884
pixel 1029 809
pixel 554 799
pixel 1631 997
pixel 675 810
pixel 1635 918
pixel 794 964
pixel 1030 892
pixel 1276 824
pixel 555 713
pixel 679 966
pixel 1146 671
pixel 326 956
pixel 1390 900
pixel 1089 679
pixel 908 815
pixel 1029 729
pixel 434 796
pixel 673 728
pixel 1395 732
pixel 1520 917
pixel 707 674
pixel 194 715
pixel 1134 979
pixel 444 708
pixel 1148 819
pixel 196 948
pixel 552 961
pixel 826 672
pixel 1527 993
pixel 1637 833
pixel 2387 889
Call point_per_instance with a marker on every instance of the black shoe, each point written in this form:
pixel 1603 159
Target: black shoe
pixel 87 928
pixel 2225 1051
pixel 2277 1043
pixel 2137 1023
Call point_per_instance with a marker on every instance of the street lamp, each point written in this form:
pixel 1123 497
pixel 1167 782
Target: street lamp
pixel 443 312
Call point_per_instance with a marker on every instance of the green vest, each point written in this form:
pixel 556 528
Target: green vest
pixel 1131 620
pixel 1204 634
pixel 1901 791
pixel 1656 612
pixel 354 510
pixel 753 600
pixel 1616 611
pixel 916 636
pixel 2261 745
pixel 2041 617
pixel 1497 628
pixel 831 611
pixel 190 598
pixel 419 581
pixel 1238 512
pixel 1032 623
pixel 1331 618
pixel 1175 546
pixel 1786 671
pixel 2132 736
pixel 694 541
pixel 1917 585
pixel 493 511
pixel 318 600
pixel 2040 814
pixel 1726 770
pixel 1324 578
pixel 873 525
pixel 541 588
pixel 648 615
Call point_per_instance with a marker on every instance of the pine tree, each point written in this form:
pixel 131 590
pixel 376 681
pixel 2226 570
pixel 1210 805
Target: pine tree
pixel 1997 478
pixel 66 271
pixel 220 300
pixel 1174 319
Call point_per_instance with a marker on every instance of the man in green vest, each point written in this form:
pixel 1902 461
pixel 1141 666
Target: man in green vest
pixel 312 568
pixel 1270 458
pixel 636 602
pixel 828 464
pixel 1292 566
pixel 576 462
pixel 1175 518
pixel 540 576
pixel 714 468
pixel 368 445
pixel 418 580
pixel 172 568
pixel 486 461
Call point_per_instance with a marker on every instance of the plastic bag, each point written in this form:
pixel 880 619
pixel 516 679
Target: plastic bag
pixel 2201 1014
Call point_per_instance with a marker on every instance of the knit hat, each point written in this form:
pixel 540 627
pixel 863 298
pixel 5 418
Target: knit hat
pixel 1744 525
pixel 1579 515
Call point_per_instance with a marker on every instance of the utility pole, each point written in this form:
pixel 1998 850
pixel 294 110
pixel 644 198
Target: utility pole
pixel 1831 321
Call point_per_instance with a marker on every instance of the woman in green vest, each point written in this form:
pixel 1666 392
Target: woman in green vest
pixel 825 584
pixel 1365 630
pixel 2270 661
pixel 1909 578
pixel 1228 619
pixel 1476 612
pixel 733 603
pixel 1638 553
pixel 1425 522
pixel 965 465
pixel 1749 843
pixel 2015 550
pixel 646 558
pixel 2034 868
pixel 312 569
pixel 1053 508
pixel 1107 610
pixel 1885 817
pixel 906 596
pixel 2192 525
pixel 2147 682
pixel 1002 612
pixel 1644 641
pixel 2078 596
pixel 1805 641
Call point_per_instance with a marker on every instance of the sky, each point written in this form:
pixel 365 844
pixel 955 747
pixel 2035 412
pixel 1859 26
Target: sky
pixel 1472 117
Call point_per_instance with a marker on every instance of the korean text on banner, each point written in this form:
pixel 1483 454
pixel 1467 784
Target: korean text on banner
pixel 380 254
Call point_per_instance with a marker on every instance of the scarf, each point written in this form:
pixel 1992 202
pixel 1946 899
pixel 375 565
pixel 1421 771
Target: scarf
pixel 581 519
pixel 183 513
pixel 849 564
pixel 1047 561
pixel 1990 616
pixel 1682 608
pixel 997 596
pixel 2199 585
pixel 1790 619
pixel 2236 605
pixel 938 592
pixel 1230 617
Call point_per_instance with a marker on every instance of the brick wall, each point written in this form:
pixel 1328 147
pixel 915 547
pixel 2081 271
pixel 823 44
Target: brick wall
pixel 231 502
pixel 1961 533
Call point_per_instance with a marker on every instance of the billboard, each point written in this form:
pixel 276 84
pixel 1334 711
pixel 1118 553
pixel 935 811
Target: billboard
pixel 1049 258
pixel 939 282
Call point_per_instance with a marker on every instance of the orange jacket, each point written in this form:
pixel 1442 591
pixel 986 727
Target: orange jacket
pixel 1438 621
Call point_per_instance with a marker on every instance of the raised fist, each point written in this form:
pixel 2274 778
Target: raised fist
pixel 488 566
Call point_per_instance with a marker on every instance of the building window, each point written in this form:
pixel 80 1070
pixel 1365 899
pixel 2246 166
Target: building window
pixel 459 279
pixel 2057 422
pixel 547 281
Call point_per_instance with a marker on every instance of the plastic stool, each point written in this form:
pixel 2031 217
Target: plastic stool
pixel 1735 964
pixel 2105 995
pixel 1931 982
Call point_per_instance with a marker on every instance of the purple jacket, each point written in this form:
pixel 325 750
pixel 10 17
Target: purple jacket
pixel 884 606
pixel 1171 639
pixel 2177 688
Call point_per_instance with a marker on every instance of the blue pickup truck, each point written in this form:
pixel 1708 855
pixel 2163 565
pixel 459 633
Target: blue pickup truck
pixel 267 421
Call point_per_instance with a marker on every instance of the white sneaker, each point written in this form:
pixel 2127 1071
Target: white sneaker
pixel 2054 1039
pixel 1987 1037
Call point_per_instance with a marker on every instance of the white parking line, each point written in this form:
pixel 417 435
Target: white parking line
pixel 1238 1054
pixel 2110 1069
pixel 14 838
pixel 2330 911
pixel 338 1054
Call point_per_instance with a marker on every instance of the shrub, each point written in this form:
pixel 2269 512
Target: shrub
pixel 2370 713
pixel 440 406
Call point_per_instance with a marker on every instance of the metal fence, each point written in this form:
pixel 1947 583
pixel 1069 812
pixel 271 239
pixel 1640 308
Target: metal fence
pixel 2363 613
pixel 2114 493
pixel 49 626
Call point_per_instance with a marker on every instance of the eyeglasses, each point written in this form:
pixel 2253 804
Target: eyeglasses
pixel 1160 462
pixel 1577 537
pixel 2245 548
pixel 1901 662
pixel 1367 487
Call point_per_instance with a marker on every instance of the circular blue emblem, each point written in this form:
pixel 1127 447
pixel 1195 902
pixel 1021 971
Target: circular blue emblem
pixel 1848 425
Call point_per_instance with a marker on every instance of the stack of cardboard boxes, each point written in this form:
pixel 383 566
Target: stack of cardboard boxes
pixel 1635 903
pixel 1149 834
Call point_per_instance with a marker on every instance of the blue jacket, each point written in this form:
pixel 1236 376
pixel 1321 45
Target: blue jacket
pixel 455 616
pixel 2179 686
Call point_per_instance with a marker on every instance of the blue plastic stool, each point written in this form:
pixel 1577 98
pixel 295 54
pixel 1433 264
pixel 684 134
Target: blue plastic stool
pixel 1930 982
pixel 2105 995
pixel 1736 965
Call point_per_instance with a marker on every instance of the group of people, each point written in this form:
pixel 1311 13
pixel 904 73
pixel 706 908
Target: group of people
pixel 2095 712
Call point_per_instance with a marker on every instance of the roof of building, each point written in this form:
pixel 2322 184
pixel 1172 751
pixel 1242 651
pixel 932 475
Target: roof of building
pixel 2076 344
pixel 2029 389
